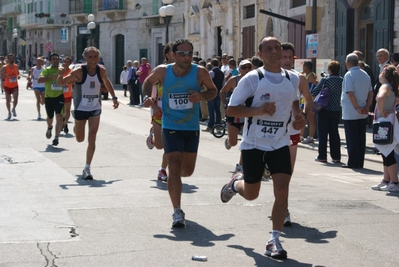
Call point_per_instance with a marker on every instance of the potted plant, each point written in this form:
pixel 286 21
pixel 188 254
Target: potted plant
pixel 50 21
pixel 63 15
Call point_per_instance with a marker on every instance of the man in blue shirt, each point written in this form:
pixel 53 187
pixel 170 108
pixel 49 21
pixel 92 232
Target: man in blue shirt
pixel 356 99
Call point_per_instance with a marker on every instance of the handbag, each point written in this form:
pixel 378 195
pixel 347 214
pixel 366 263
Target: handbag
pixel 321 100
pixel 383 133
pixel 382 130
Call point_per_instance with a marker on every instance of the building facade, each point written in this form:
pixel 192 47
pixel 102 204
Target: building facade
pixel 132 29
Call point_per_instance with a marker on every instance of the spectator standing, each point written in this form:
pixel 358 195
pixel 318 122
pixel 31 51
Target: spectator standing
pixel 142 73
pixel 356 98
pixel 328 117
pixel 385 111
pixel 215 116
pixel 2 64
pixel 124 80
pixel 382 57
pixel 312 80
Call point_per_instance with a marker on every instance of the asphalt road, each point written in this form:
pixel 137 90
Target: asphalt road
pixel 50 217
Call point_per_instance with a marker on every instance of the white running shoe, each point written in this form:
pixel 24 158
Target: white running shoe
pixel 391 187
pixel 149 141
pixel 162 175
pixel 275 250
pixel 178 218
pixel 9 116
pixel 287 220
pixel 227 191
pixel 227 144
pixel 381 184
pixel 86 175
pixel 308 140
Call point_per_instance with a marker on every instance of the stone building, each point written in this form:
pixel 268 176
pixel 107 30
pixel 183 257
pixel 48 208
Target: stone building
pixel 131 29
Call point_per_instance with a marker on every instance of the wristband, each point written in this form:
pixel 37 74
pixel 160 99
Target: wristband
pixel 115 98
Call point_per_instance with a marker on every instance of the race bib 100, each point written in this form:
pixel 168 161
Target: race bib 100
pixel 179 101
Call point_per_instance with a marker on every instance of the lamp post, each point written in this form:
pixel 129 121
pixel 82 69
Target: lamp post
pixel 166 12
pixel 15 37
pixel 91 26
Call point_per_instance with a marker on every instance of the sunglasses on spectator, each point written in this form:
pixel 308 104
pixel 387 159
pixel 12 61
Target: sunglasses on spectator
pixel 184 53
pixel 246 67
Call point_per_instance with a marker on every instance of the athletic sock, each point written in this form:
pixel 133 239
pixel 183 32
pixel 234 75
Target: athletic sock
pixel 275 235
pixel 87 166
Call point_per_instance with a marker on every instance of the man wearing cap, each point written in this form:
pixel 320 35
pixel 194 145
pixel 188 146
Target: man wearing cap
pixel 234 124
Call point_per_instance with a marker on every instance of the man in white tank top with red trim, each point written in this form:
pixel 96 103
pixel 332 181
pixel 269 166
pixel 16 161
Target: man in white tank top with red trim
pixel 87 99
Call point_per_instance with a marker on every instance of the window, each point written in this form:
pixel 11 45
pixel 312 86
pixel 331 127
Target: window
pixel 49 6
pixel 249 11
pixel 297 3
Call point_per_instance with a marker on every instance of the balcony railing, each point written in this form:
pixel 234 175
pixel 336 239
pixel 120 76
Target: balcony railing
pixel 112 5
pixel 11 8
pixel 54 21
pixel 80 7
pixel 26 20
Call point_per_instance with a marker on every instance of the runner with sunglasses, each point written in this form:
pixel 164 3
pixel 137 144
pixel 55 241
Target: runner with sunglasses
pixel 182 82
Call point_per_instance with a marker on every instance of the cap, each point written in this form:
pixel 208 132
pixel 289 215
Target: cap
pixel 244 62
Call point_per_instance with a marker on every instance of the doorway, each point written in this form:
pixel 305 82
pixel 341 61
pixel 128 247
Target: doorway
pixel 366 42
pixel 119 56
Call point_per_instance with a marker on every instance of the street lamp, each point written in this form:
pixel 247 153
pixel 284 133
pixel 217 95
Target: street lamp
pixel 166 12
pixel 91 26
pixel 15 37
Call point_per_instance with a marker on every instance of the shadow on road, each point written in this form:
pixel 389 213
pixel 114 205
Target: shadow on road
pixel 310 234
pixel 92 183
pixel 53 149
pixel 261 260
pixel 197 234
pixel 187 188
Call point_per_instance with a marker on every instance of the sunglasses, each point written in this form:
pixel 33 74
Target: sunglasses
pixel 246 67
pixel 184 53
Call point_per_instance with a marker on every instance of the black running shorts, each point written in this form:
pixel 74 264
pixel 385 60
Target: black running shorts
pixel 254 161
pixel 54 105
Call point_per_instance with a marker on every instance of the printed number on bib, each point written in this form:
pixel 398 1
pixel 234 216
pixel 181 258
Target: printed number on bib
pixel 270 130
pixel 13 79
pixel 55 87
pixel 90 100
pixel 65 89
pixel 179 101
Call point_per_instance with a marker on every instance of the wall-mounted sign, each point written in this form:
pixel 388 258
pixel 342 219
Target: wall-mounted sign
pixel 84 30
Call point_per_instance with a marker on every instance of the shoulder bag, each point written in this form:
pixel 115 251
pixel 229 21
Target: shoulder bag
pixel 382 130
pixel 321 100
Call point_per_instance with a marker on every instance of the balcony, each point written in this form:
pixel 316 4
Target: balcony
pixel 28 20
pixel 54 21
pixel 79 9
pixel 112 8
pixel 11 8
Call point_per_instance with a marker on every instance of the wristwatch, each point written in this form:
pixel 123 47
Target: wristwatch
pixel 115 98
